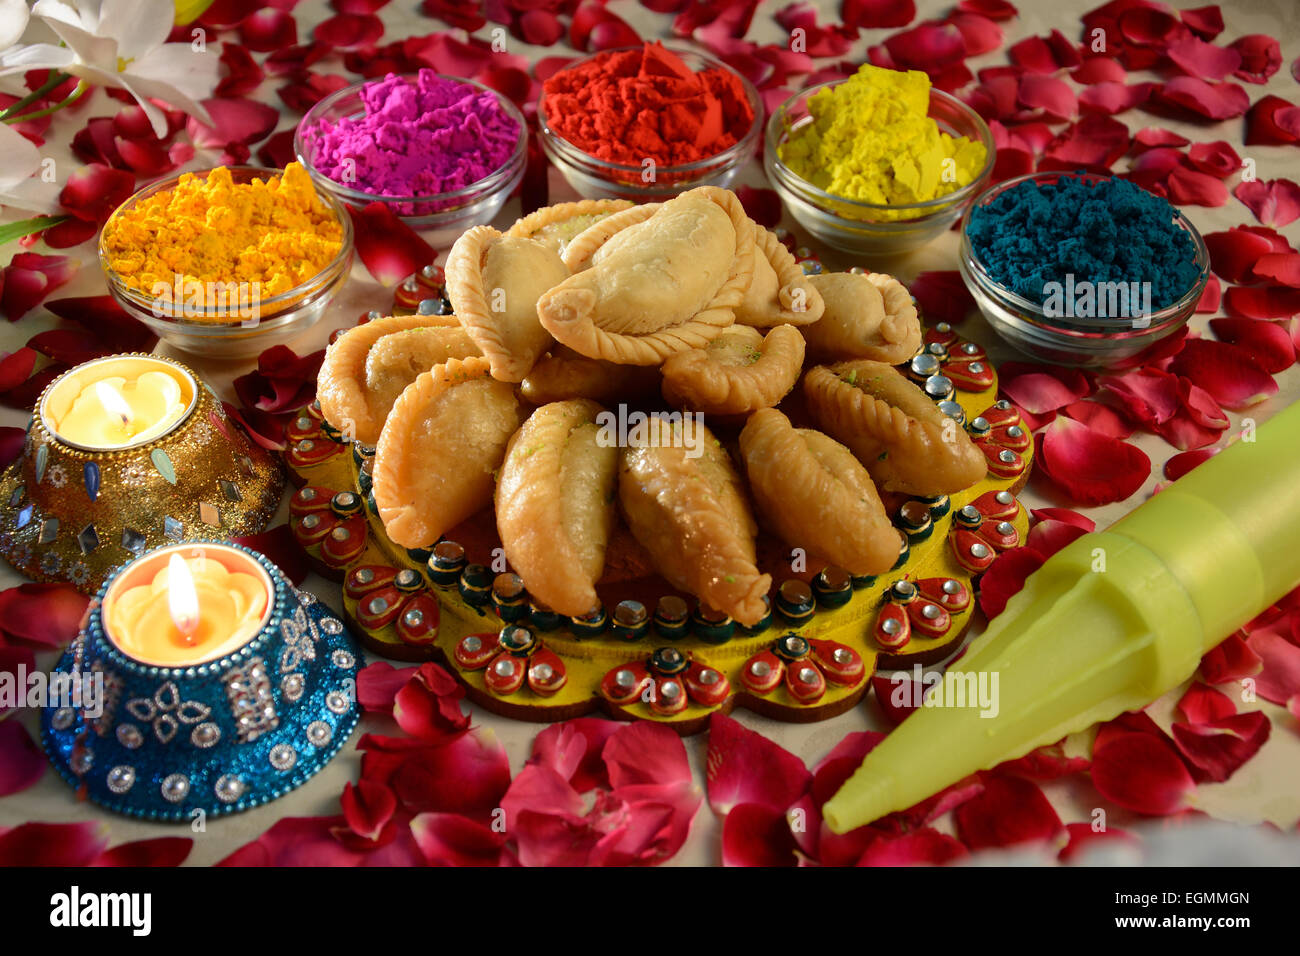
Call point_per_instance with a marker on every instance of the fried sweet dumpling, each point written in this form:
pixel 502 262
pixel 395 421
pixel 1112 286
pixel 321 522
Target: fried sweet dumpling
pixel 363 373
pixel 555 504
pixel 815 495
pixel 556 226
pixel 583 249
pixel 691 515
pixel 906 443
pixel 563 374
pixel 739 371
pixel 670 283
pixel 866 316
pixel 438 451
pixel 779 293
pixel 494 282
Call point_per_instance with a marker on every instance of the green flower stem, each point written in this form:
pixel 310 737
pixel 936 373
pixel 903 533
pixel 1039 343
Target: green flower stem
pixel 25 227
pixel 71 98
pixel 54 79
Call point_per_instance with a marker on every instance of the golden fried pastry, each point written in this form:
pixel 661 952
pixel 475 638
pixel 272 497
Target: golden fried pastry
pixel 907 444
pixel 363 373
pixel 667 284
pixel 739 371
pixel 439 448
pixel 581 251
pixel 867 316
pixel 494 282
pixel 691 515
pixel 562 374
pixel 779 293
pixel 815 495
pixel 555 504
pixel 555 226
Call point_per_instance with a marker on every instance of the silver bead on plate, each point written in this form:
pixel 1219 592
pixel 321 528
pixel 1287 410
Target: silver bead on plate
pixel 129 736
pixel 542 672
pixel 472 644
pixel 807 675
pixel 319 733
pixel 760 668
pixel 331 625
pixel 283 757
pixel 175 788
pixel 709 678
pixel 62 718
pixel 625 679
pixel 82 761
pixel 121 778
pixel 842 655
pixel 891 626
pixel 1004 497
pixel 670 690
pixel 205 735
pixel 306 598
pixel 228 788
pixel 930 612
pixel 504 667
pixel 343 659
pixel 951 587
pixel 978 550
pixel 337 702
pixel 292 687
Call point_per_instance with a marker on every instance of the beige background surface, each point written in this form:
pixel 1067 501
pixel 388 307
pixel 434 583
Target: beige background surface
pixel 1267 788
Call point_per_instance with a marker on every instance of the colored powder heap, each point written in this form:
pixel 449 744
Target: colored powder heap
pixel 277 233
pixel 1108 230
pixel 871 140
pixel 433 136
pixel 629 106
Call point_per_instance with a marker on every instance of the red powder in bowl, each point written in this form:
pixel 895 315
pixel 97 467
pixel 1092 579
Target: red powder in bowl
pixel 631 105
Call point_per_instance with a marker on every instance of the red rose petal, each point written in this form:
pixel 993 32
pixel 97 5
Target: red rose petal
pixel 1005 578
pixel 29 278
pixel 1180 464
pixel 1044 763
pixel 1205 22
pixel 268 29
pixel 53 844
pixel 390 249
pixel 1198 58
pixel 1269 342
pixel 1147 395
pixel 1010 810
pixel 1089 467
pixel 1148 25
pixel 894 695
pixel 1100 418
pixel 1140 772
pixel 645 753
pixel 367 807
pixel 1201 704
pixel 157 852
pixel 378 684
pixel 1283 267
pixel 1211 297
pixel 757 835
pixel 93 192
pixel 1227 372
pixel 240 73
pixel 289 60
pixel 308 89
pixel 315 841
pixel 22 763
pixel 1190 187
pixel 43 615
pixel 277 152
pixel 1279 677
pixel 1216 101
pixel 596 28
pixel 1272 121
pixel 1217 158
pixel 761 205
pixel 1083 838
pixel 347 31
pixel 1010 163
pixel 429 707
pixel 924 847
pixel 1094 141
pixel 1052 95
pixel 456 13
pixel 448 839
pixel 574 749
pixel 1110 98
pixel 979 34
pixel 1261 57
pixel 233 122
pixel 1041 392
pixel 1218 748
pixel 1099 69
pixel 1233 253
pixel 1066 515
pixel 877 14
pixel 1049 537
pixel 1231 660
pixel 1275 203
pixel 1263 302
pixel 467 774
pixel 993 9
pixel 942 297
pixel 745 767
pixel 926 46
pixel 1150 136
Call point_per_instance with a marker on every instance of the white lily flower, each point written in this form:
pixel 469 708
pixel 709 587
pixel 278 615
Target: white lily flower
pixel 20 187
pixel 13 21
pixel 121 43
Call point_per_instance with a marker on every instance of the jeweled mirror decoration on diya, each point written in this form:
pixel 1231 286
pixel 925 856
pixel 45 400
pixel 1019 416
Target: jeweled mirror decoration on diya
pixel 650 652
pixel 124 454
pixel 208 683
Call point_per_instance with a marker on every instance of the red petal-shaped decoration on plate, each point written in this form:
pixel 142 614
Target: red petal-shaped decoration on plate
pixel 876 14
pixel 1215 101
pixel 757 835
pixel 448 839
pixel 1201 704
pixel 1140 772
pixel 53 844
pixel 268 29
pixel 1006 577
pixel 1088 467
pixel 1227 372
pixel 1279 678
pixel 942 297
pixel 1272 121
pixel 924 847
pixel 745 767
pixel 429 705
pixel 1083 838
pixel 1232 660
pixel 378 684
pixel 347 31
pixel 43 615
pixel 388 247
pixel 1191 187
pixel 1100 418
pixel 1218 748
pixel 1261 57
pixel 1010 810
pixel 1269 342
pixel 21 762
pixel 160 851
pixel 1275 203
pixel 233 122
pixel 1198 58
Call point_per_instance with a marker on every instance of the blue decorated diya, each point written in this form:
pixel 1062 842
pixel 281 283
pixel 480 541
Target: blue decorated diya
pixel 218 735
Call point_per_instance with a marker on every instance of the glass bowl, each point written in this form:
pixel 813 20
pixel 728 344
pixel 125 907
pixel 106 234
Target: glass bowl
pixel 873 228
pixel 446 214
pixel 239 327
pixel 595 178
pixel 1093 342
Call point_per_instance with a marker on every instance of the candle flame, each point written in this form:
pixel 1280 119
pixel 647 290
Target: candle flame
pixel 182 598
pixel 114 403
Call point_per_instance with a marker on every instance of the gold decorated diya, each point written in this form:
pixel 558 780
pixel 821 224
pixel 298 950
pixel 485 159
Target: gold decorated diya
pixel 125 454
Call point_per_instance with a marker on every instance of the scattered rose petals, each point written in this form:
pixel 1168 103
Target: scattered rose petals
pixel 761 205
pixel 378 684
pixel 283 380
pixel 1218 748
pixel 993 9
pixel 1279 677
pixel 448 839
pixel 390 249
pixel 1099 69
pixel 923 847
pixel 1201 704
pixel 1261 57
pixel 307 89
pixel 1150 136
pixel 1217 158
pixel 1095 141
pixel 1089 467
pixel 21 762
pixel 1227 372
pixel 1269 342
pixel 348 31
pixel 1005 578
pixel 1044 763
pixel 757 835
pixel 1272 121
pixel 1010 810
pixel 1048 93
pixel 1262 302
pixel 241 74
pixel 942 297
pixel 1050 536
pixel 1195 57
pixel 1233 253
pixel 1275 202
pixel 268 29
pixel 745 767
pixel 895 695
pixel 1283 267
pixel 1140 772
pixel 234 122
pixel 367 807
pixel 1180 464
pixel 1215 101
pixel 157 852
pixel 29 278
pixel 42 615
pixel 927 46
pixel 53 844
pixel 1100 418
pixel 1191 187
pixel 1043 389
pixel 876 14
pixel 429 705
pixel 1083 838
pixel 282 548
pixel 1231 660
pixel 1111 98
pixel 1211 296
pixel 314 841
pixel 596 28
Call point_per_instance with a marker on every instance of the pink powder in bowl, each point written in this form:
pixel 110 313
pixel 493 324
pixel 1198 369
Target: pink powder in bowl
pixel 423 138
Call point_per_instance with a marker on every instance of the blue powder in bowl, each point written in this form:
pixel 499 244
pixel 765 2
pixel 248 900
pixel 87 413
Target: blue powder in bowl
pixel 1105 230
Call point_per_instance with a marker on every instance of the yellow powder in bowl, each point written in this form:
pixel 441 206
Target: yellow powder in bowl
pixel 871 140
pixel 212 230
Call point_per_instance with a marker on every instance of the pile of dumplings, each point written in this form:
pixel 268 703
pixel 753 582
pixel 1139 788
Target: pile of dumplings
pixel 682 305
